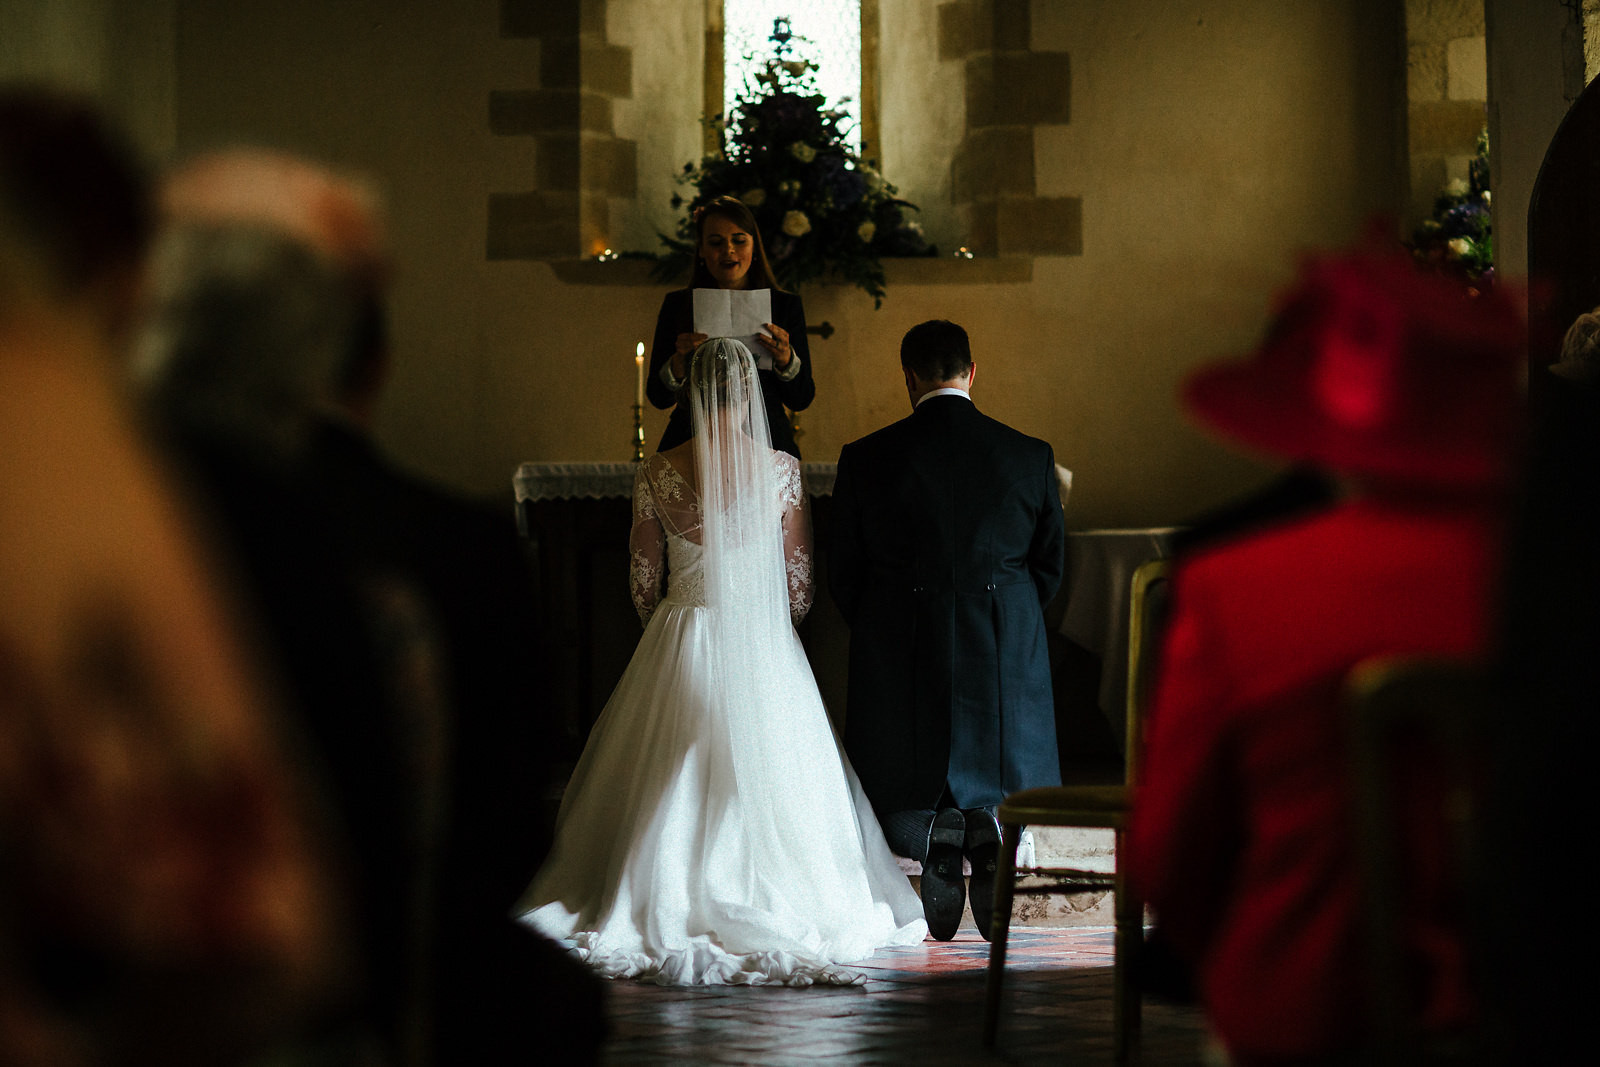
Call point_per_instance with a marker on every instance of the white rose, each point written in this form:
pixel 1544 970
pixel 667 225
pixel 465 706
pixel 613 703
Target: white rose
pixel 753 197
pixel 866 230
pixel 1459 247
pixel 795 224
pixel 802 151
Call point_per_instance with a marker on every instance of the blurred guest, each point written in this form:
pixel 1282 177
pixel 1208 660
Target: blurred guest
pixel 1550 631
pixel 1243 836
pixel 272 284
pixel 162 899
pixel 80 207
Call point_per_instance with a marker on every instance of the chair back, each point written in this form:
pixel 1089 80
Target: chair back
pixel 1417 726
pixel 1146 614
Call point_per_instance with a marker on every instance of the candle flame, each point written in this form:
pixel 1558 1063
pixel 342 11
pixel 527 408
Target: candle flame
pixel 638 351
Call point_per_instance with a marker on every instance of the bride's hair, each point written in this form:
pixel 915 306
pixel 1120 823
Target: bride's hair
pixel 734 210
pixel 715 366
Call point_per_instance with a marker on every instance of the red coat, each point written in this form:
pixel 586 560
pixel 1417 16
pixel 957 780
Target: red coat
pixel 1242 834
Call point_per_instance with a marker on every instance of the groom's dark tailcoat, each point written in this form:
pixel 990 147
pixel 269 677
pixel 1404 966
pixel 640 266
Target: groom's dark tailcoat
pixel 945 544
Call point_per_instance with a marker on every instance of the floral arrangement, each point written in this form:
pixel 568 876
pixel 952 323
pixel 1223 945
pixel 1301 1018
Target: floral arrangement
pixel 824 212
pixel 1457 239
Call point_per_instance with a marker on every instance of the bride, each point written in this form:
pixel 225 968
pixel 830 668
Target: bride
pixel 713 831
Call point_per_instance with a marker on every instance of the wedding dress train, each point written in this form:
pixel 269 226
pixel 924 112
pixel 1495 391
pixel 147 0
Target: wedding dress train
pixel 713 831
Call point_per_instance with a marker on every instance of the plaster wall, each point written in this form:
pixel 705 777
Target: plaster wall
pixel 119 52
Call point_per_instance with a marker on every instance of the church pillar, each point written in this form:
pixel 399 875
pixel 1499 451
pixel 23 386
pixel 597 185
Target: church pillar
pixel 580 164
pixel 1010 90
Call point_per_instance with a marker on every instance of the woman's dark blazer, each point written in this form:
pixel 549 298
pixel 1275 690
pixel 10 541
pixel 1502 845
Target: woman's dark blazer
pixel 677 316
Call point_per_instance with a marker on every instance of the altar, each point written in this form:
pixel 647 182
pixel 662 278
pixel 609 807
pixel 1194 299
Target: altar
pixel 577 518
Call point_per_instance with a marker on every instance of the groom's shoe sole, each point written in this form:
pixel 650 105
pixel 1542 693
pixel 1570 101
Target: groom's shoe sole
pixel 983 854
pixel 944 891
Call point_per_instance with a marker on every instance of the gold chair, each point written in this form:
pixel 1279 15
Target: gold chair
pixel 1413 719
pixel 1103 806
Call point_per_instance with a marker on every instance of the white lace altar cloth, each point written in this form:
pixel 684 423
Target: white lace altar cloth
pixel 599 481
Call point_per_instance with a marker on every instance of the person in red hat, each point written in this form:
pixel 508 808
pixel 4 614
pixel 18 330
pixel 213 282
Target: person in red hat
pixel 1242 835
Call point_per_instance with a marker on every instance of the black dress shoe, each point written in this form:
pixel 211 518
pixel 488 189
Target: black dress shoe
pixel 982 847
pixel 944 891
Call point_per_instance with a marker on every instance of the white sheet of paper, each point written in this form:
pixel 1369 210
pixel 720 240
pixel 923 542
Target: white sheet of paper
pixel 736 313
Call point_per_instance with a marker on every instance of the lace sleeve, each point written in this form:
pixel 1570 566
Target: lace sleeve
pixel 647 548
pixel 796 537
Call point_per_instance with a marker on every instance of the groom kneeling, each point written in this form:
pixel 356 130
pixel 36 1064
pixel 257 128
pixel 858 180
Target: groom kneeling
pixel 945 544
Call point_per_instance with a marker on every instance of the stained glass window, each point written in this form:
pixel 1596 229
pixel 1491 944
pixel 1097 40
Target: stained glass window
pixel 832 29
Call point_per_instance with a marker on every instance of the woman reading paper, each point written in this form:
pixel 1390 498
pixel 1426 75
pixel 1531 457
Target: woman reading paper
pixel 729 255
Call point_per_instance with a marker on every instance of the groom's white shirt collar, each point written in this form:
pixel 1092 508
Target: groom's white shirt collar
pixel 942 392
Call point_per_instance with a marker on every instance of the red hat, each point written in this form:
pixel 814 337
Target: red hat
pixel 1371 367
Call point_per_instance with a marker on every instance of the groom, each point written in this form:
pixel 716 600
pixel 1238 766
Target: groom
pixel 946 542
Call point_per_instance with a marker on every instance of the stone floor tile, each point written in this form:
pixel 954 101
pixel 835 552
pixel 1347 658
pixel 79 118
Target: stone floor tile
pixel 921 1005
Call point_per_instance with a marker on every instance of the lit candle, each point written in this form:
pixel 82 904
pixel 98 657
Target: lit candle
pixel 638 361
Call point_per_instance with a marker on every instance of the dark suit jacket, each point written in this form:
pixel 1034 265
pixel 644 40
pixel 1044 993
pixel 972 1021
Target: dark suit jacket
pixel 485 970
pixel 677 316
pixel 946 542
pixel 479 586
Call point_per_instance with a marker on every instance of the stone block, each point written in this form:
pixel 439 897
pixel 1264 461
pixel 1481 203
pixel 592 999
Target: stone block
pixel 610 166
pixel 539 18
pixel 540 225
pixel 1013 25
pixel 597 114
pixel 1040 226
pixel 594 224
pixel 586 63
pixel 1468 64
pixel 1446 127
pixel 545 18
pixel 983 230
pixel 559 164
pixel 992 162
pixel 1018 88
pixel 1439 21
pixel 560 62
pixel 969 26
pixel 607 68
pixel 572 162
pixel 960 30
pixel 1427 76
pixel 515 112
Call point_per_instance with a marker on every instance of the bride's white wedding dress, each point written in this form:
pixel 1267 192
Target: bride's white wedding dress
pixel 713 831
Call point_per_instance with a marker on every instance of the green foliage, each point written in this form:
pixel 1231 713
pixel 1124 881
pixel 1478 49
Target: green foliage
pixel 1458 238
pixel 825 214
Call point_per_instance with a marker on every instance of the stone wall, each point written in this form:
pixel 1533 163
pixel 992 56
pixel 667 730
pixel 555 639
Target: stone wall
pixel 1202 152
pixel 580 163
pixel 1447 90
pixel 1010 90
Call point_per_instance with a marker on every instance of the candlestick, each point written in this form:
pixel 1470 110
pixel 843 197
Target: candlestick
pixel 638 361
pixel 638 432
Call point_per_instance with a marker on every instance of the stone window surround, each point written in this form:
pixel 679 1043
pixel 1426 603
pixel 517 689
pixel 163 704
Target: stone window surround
pixel 582 162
